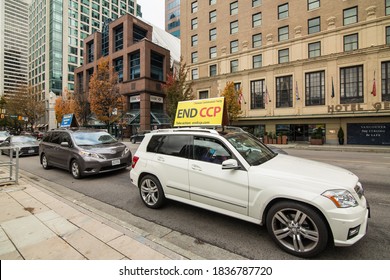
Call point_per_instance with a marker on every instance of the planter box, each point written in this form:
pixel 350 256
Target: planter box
pixel 316 141
pixel 284 139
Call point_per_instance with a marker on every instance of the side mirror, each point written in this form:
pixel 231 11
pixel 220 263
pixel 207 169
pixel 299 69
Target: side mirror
pixel 64 144
pixel 230 164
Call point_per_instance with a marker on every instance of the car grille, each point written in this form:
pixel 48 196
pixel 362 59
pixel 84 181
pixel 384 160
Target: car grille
pixel 107 168
pixel 111 156
pixel 26 150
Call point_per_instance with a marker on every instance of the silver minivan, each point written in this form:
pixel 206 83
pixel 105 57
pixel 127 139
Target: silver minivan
pixel 83 152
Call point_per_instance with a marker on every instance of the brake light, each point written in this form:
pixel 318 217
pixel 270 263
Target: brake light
pixel 135 160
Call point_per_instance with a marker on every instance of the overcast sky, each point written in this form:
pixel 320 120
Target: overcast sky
pixel 153 11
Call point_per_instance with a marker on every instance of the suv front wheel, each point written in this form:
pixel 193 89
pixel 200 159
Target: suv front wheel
pixel 151 192
pixel 297 228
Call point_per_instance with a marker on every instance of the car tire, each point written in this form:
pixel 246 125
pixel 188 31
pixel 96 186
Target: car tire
pixel 75 169
pixel 297 228
pixel 151 192
pixel 44 162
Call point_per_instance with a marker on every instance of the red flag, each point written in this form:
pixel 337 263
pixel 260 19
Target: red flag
pixel 266 96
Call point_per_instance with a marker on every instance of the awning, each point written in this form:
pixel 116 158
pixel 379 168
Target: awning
pixel 156 118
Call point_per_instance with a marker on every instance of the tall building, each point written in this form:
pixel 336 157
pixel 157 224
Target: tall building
pixel 57 30
pixel 172 17
pixel 300 64
pixel 13 45
pixel 134 49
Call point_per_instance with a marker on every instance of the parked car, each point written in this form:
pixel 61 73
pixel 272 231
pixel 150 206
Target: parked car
pixel 304 204
pixel 27 144
pixel 83 152
pixel 4 135
pixel 138 137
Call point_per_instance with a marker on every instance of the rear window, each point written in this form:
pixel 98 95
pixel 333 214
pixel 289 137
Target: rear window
pixel 173 145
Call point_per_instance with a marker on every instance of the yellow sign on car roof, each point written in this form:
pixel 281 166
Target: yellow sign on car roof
pixel 201 112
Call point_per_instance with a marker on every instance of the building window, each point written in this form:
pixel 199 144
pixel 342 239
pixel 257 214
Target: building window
pixel 257 94
pixel 194 23
pixel 351 85
pixel 233 66
pixel 91 53
pixel 139 33
pixel 388 35
pixel 194 40
pixel 194 7
pixel 213 52
pixel 314 25
pixel 386 81
pixel 194 57
pixel 204 94
pixel 256 20
pixel 351 42
pixel 213 70
pixel 135 65
pixel 283 33
pixel 212 2
pixel 213 16
pixel 314 49
pixel 313 4
pixel 257 61
pixel 213 34
pixel 350 16
pixel 194 74
pixel 118 38
pixel 234 27
pixel 387 7
pixel 283 56
pixel 283 11
pixel 256 41
pixel 157 66
pixel 234 46
pixel 315 88
pixel 118 68
pixel 284 91
pixel 256 3
pixel 234 8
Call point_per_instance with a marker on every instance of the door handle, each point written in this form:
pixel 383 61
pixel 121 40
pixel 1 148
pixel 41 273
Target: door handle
pixel 160 159
pixel 196 167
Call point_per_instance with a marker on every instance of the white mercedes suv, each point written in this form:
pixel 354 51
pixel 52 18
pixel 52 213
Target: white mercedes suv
pixel 304 204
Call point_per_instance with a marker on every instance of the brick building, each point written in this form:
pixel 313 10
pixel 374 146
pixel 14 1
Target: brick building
pixel 142 67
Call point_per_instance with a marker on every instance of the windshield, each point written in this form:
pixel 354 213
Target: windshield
pixel 83 138
pixel 251 149
pixel 4 133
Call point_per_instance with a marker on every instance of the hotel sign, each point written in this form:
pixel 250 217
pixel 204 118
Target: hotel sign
pixel 357 107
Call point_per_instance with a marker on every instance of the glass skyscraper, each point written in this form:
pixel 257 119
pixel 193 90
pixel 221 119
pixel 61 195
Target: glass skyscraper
pixel 57 30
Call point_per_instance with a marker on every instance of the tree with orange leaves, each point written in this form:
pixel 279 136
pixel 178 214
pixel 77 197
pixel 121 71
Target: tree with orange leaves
pixel 63 105
pixel 104 96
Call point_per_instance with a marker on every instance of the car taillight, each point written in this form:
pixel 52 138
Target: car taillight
pixel 135 159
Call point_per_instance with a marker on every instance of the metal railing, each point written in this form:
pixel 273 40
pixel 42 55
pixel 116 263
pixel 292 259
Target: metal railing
pixel 9 167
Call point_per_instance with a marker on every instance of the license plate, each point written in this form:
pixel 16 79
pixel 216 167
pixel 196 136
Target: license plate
pixel 30 151
pixel 116 162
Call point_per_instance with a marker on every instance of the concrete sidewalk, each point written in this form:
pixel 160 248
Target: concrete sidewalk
pixel 35 224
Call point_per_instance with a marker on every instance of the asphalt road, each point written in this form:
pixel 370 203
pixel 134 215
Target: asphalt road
pixel 242 238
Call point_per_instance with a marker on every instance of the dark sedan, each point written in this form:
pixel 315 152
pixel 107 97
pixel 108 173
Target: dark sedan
pixel 28 145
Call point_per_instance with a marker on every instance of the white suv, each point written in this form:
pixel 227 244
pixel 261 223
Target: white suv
pixel 303 203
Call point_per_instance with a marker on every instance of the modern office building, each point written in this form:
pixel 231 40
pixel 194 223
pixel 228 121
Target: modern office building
pixel 57 30
pixel 172 17
pixel 136 50
pixel 301 64
pixel 13 46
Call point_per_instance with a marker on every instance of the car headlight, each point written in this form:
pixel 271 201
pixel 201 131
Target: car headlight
pixel 89 154
pixel 341 198
pixel 125 151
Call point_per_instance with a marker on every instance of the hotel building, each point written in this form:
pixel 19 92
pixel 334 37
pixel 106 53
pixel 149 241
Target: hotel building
pixel 301 64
